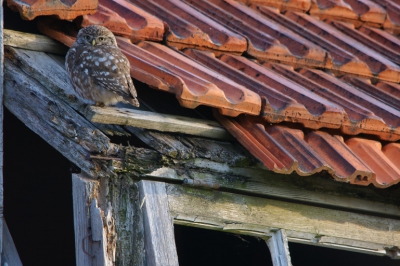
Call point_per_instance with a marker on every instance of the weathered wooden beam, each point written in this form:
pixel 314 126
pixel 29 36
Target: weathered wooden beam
pixel 159 233
pixel 55 121
pixel 33 42
pixel 90 237
pixel 260 217
pixel 157 121
pixel 217 162
pixel 10 254
pixel 49 71
pixel 279 248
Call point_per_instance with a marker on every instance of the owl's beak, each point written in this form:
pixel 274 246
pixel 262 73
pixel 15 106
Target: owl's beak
pixel 93 42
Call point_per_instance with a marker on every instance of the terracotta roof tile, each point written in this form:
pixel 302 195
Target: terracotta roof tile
pixel 387 122
pixel 61 30
pixel 356 116
pixel 317 111
pixel 382 42
pixel 387 173
pixel 267 40
pixel 126 19
pixel 256 140
pixel 376 65
pixel 189 28
pixel 357 161
pixel 357 12
pixel 389 95
pixel 277 107
pixel 282 5
pixel 376 42
pixel 194 84
pixel 392 22
pixel 63 9
pixel 338 58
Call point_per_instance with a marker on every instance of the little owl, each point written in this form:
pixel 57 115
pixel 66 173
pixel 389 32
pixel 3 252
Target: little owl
pixel 98 70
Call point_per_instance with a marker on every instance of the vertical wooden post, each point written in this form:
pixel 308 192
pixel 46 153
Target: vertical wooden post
pixel 90 239
pixel 1 125
pixel 10 255
pixel 278 246
pixel 159 236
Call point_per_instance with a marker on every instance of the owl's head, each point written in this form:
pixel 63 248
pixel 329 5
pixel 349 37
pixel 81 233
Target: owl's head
pixel 95 35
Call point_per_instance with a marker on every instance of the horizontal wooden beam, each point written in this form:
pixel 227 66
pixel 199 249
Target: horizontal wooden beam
pixel 262 217
pixel 312 190
pixel 34 42
pixel 157 121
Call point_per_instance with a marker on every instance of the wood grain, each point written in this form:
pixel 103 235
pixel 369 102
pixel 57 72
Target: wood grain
pixel 34 42
pixel 279 248
pixel 159 233
pixel 259 216
pixel 156 121
pixel 55 121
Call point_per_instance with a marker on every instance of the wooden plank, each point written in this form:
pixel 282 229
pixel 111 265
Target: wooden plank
pixel 10 254
pixel 159 233
pixel 259 216
pixel 279 248
pixel 34 42
pixel 157 121
pixel 226 165
pixel 90 243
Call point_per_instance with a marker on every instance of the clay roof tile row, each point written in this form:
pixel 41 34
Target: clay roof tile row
pixel 284 150
pixel 63 9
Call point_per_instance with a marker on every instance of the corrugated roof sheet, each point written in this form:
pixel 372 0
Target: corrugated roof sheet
pixel 319 64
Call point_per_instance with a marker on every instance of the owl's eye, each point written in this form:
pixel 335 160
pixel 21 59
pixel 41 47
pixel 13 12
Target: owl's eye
pixel 101 39
pixel 87 37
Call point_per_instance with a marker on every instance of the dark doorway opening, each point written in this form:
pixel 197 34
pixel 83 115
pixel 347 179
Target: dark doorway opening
pixel 37 197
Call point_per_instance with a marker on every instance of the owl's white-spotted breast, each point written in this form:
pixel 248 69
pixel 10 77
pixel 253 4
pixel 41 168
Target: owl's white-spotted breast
pixel 98 70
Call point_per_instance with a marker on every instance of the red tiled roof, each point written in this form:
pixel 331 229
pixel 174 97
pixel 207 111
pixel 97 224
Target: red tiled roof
pixel 63 9
pixel 319 64
pixel 126 19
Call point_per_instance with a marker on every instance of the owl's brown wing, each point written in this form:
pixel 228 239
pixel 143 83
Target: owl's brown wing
pixel 111 71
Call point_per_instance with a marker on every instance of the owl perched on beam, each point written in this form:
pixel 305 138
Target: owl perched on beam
pixel 99 72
